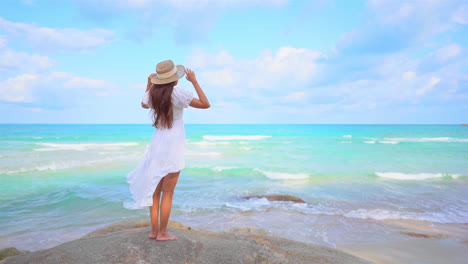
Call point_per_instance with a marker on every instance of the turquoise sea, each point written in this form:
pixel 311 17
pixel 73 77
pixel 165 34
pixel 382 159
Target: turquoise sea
pixel 59 182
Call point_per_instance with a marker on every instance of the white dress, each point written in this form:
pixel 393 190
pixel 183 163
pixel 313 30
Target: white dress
pixel 165 153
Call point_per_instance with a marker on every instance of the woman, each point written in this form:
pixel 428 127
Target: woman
pixel 159 171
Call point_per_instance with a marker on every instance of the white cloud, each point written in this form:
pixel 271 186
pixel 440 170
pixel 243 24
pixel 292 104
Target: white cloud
pixel 203 4
pixel 202 59
pixel 288 68
pixel 19 89
pixel 52 89
pixel 460 16
pixel 57 39
pixel 21 61
pixel 295 97
pixel 220 78
pixel 391 11
pixel 429 86
pixel 448 52
pixel 186 4
pixel 79 82
pixel 408 76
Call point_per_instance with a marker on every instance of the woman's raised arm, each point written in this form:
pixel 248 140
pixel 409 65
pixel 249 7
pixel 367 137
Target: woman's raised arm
pixel 202 101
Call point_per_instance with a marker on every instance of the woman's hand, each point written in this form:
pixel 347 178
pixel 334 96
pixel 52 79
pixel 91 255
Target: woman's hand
pixel 190 75
pixel 151 77
pixel 148 85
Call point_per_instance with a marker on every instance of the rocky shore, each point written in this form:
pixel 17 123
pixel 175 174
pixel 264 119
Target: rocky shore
pixel 128 242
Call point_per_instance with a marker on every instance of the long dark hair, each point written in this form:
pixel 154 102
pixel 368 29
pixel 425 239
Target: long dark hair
pixel 160 97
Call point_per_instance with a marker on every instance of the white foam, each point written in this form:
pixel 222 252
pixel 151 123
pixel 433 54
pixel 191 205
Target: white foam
pixel 213 138
pixel 246 148
pixel 282 175
pixel 389 142
pixel 250 204
pixel 52 166
pixel 206 143
pixel 345 142
pixel 204 153
pixel 219 168
pixel 383 214
pixel 414 176
pixel 347 136
pixel 370 142
pixel 432 139
pixel 377 214
pixel 83 146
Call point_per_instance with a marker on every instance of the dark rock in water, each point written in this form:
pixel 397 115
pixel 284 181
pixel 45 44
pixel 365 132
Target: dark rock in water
pixel 8 252
pixel 420 235
pixel 276 197
pixel 193 246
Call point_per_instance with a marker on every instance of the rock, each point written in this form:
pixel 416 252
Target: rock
pixel 420 235
pixel 193 246
pixel 275 197
pixel 249 230
pixel 130 224
pixel 8 252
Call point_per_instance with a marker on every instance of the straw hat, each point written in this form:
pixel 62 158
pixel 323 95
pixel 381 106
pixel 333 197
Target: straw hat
pixel 167 71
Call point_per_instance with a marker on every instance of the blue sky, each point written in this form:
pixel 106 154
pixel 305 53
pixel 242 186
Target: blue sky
pixel 274 61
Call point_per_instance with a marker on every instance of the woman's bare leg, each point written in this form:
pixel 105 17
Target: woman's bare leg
pixel 168 184
pixel 154 211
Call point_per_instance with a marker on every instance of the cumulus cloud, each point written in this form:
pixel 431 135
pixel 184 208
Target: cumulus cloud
pixel 11 60
pixel 448 52
pixel 18 89
pixel 52 89
pixel 287 66
pixel 295 97
pixel 409 75
pixel 57 39
pixel 428 87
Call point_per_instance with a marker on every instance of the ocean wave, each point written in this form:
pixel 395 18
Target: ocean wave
pixel 414 176
pixel 57 165
pixel 282 175
pixel 382 214
pixel 432 139
pixel 214 138
pixel 192 153
pixel 83 146
pixel 370 142
pixel 53 166
pixel 389 142
pixel 347 136
pixel 345 142
pixel 206 143
pixel 219 168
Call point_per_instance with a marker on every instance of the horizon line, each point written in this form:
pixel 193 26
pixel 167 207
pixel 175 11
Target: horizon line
pixel 459 124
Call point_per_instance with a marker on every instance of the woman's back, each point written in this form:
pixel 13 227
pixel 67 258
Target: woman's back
pixel 180 99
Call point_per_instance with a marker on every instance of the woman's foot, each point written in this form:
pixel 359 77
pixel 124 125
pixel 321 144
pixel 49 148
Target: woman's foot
pixel 153 235
pixel 163 236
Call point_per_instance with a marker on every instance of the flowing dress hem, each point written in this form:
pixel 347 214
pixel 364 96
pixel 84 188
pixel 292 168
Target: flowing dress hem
pixel 147 199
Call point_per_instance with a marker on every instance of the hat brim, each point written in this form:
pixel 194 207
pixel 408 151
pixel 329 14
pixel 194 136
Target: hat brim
pixel 180 73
